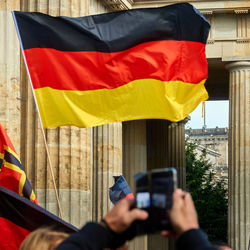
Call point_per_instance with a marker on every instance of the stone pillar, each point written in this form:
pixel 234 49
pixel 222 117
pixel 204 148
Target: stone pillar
pixel 134 161
pixel 157 153
pixel 71 148
pixel 157 138
pixel 10 97
pixel 107 162
pixel 153 144
pixel 176 151
pixel 239 155
pixel 134 149
pixel 166 148
pixel 176 155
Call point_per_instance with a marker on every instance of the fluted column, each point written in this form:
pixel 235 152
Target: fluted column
pixel 10 73
pixel 176 155
pixel 176 151
pixel 107 162
pixel 134 161
pixel 157 153
pixel 166 148
pixel 71 148
pixel 239 155
pixel 134 149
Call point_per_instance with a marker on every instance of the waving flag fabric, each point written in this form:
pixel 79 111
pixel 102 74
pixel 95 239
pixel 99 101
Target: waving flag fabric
pixel 19 216
pixel 12 175
pixel 135 64
pixel 120 190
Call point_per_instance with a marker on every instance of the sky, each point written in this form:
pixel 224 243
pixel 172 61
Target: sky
pixel 217 114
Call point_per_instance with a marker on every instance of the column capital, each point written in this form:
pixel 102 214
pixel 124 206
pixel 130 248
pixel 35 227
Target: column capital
pixel 238 65
pixel 118 5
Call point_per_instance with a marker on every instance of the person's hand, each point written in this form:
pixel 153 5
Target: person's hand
pixel 122 216
pixel 183 214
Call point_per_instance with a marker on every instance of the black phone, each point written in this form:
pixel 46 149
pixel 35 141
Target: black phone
pixel 154 191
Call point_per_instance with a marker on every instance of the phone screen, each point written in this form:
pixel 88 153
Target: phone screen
pixel 154 194
pixel 162 189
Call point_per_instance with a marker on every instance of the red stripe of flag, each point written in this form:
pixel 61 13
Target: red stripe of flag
pixel 65 70
pixel 11 235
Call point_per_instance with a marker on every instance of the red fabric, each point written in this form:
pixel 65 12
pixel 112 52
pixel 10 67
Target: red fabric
pixel 10 179
pixel 5 140
pixel 11 235
pixel 91 70
pixel 130 196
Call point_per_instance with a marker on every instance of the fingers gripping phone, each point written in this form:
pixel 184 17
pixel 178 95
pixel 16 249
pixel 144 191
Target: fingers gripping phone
pixel 154 191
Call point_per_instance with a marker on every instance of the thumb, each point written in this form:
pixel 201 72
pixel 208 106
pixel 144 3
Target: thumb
pixel 137 214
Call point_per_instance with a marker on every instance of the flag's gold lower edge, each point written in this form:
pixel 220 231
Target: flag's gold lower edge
pixel 140 99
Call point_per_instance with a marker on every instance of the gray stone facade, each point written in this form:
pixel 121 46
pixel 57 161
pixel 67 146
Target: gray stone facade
pixel 215 141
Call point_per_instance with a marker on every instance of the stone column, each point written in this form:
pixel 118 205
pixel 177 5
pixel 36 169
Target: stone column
pixel 166 148
pixel 71 148
pixel 157 138
pixel 10 97
pixel 134 149
pixel 239 155
pixel 176 151
pixel 153 144
pixel 176 155
pixel 107 162
pixel 134 161
pixel 157 153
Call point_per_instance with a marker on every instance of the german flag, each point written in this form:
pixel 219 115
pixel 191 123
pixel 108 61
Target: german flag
pixel 135 64
pixel 12 175
pixel 19 216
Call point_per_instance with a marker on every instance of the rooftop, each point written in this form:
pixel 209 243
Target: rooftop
pixel 207 132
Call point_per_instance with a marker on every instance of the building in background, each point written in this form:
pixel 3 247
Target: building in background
pixel 215 141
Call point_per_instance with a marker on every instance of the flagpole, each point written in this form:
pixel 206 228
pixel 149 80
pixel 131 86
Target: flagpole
pixel 39 118
pixel 204 116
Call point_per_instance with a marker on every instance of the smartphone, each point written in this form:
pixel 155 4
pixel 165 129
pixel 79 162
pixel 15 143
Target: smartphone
pixel 154 191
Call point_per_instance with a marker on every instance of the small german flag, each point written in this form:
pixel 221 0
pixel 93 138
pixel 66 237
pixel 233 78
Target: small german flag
pixel 135 64
pixel 12 175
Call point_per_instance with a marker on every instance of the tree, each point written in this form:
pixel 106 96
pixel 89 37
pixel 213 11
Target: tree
pixel 209 193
